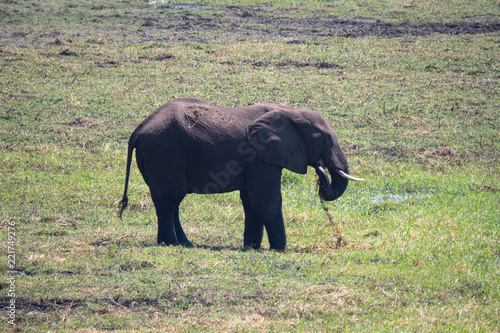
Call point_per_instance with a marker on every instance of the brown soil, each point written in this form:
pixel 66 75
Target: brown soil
pixel 245 23
pixel 228 24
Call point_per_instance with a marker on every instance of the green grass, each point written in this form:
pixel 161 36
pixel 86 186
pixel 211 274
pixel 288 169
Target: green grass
pixel 417 116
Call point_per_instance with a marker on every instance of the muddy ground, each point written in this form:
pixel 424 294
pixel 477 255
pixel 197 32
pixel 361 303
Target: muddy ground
pixel 226 24
pixel 236 23
pixel 258 23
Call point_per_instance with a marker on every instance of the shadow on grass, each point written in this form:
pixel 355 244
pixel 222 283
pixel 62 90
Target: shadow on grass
pixel 128 241
pixel 120 243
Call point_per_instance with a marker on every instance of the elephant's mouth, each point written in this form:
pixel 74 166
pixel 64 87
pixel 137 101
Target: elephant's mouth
pixel 331 190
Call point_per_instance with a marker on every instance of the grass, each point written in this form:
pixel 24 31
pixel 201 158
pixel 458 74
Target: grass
pixel 416 114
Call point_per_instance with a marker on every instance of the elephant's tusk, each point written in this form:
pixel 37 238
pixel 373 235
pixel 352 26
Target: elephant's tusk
pixel 349 177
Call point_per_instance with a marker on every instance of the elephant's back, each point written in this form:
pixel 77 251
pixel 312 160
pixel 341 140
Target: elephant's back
pixel 188 121
pixel 198 116
pixel 194 114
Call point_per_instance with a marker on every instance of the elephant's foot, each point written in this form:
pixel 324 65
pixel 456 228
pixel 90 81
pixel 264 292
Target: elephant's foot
pixel 181 236
pixel 252 237
pixel 187 243
pixel 276 234
pixel 251 245
pixel 278 247
pixel 167 236
pixel 167 243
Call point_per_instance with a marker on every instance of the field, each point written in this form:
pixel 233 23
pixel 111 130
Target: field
pixel 411 88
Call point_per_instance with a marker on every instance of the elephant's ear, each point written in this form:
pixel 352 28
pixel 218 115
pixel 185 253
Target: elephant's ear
pixel 277 140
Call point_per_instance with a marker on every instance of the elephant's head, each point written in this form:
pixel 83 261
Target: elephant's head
pixel 294 139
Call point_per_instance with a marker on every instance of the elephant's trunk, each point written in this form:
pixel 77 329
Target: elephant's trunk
pixel 330 191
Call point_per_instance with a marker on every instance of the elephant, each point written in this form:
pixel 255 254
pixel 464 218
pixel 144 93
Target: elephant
pixel 191 146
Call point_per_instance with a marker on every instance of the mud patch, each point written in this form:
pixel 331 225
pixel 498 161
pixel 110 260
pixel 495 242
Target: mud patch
pixel 293 63
pixel 160 57
pixel 81 122
pixel 197 110
pixel 58 42
pixel 53 233
pixel 165 4
pixel 250 23
pixel 173 301
pixel 107 64
pixel 360 27
pixel 68 53
pixel 41 306
pixel 164 22
pixel 19 34
pixel 444 151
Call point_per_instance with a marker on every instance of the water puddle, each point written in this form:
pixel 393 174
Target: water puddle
pixel 165 3
pixel 397 198
pixel 188 7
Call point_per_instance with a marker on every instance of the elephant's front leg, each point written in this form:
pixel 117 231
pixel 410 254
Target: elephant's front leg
pixel 275 228
pixel 264 195
pixel 165 210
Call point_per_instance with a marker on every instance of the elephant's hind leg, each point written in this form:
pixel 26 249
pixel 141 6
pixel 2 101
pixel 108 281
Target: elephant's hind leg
pixel 166 210
pixel 254 228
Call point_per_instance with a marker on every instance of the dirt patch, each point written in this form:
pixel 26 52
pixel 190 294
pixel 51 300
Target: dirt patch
pixel 81 122
pixel 292 63
pixel 360 27
pixel 210 24
pixel 106 64
pixel 68 53
pixel 43 306
pixel 251 23
pixel 444 151
pixel 58 42
pixel 173 301
pixel 160 57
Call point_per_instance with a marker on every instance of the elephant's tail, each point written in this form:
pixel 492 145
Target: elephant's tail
pixel 131 147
